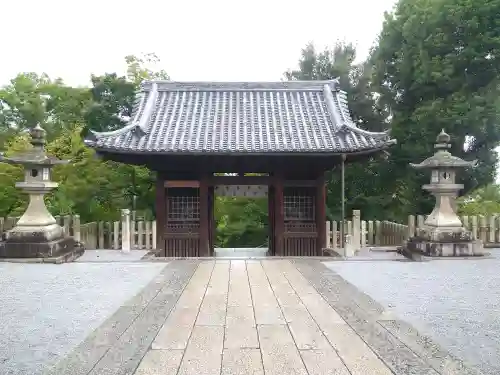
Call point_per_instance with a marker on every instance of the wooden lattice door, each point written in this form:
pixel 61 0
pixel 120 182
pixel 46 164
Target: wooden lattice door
pixel 182 235
pixel 300 234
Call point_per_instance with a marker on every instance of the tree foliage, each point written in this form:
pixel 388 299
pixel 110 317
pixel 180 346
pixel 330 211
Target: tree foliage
pixel 483 201
pixel 241 222
pixel 32 99
pixel 112 102
pixel 364 189
pixel 95 189
pixel 436 66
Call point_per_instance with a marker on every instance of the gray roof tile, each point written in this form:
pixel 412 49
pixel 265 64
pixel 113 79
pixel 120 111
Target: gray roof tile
pixel 248 117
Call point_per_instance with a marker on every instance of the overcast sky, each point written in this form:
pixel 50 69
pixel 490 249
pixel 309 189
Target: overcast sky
pixel 196 40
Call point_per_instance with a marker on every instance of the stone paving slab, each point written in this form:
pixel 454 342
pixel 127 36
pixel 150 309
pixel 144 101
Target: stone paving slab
pixel 242 362
pixel 272 317
pixel 160 362
pixel 323 362
pixel 279 352
pixel 118 346
pixel 401 352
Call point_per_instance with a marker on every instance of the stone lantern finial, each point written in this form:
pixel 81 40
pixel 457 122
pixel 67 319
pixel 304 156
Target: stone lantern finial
pixel 37 135
pixel 442 141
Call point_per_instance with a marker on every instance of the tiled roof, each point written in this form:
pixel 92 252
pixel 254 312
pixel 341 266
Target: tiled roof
pixel 210 117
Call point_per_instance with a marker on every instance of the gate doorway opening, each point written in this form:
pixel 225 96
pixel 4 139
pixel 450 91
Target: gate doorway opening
pixel 242 225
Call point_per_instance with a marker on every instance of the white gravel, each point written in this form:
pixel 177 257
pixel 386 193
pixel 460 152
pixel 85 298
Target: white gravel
pixel 46 310
pixel 456 302
pixel 111 256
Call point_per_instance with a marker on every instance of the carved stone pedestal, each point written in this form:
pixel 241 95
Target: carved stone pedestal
pixel 39 242
pixel 441 242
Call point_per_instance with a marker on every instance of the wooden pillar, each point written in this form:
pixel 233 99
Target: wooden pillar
pixel 279 217
pixel 211 218
pixel 161 214
pixel 204 217
pixel 271 220
pixel 320 214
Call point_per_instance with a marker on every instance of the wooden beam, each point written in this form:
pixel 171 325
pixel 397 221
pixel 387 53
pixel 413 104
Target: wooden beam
pixel 182 183
pixel 256 180
pixel 299 183
pixel 239 180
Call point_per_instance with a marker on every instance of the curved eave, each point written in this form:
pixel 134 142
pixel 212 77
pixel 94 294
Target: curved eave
pixel 338 108
pixel 370 150
pixel 381 139
pixel 137 123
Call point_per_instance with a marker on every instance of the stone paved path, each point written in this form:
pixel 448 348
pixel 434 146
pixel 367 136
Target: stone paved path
pixel 269 317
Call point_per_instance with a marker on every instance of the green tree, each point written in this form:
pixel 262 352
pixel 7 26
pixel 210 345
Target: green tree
pixel 87 185
pixel 22 102
pixel 112 105
pixel 93 188
pixel 363 189
pixel 241 222
pixel 112 102
pixel 483 201
pixel 13 201
pixel 141 68
pixel 30 99
pixel 113 96
pixel 437 66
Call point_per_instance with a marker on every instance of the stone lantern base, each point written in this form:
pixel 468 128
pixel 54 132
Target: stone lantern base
pixel 442 242
pixel 47 242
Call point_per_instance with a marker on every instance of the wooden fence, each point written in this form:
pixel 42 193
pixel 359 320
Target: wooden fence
pixel 371 233
pixel 387 233
pixel 359 233
pixel 101 235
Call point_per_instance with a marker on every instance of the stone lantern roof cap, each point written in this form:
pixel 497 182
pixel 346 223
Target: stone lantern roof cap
pixel 443 158
pixel 36 155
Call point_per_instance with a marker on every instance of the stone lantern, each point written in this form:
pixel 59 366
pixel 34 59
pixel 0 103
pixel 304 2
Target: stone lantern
pixel 443 234
pixel 37 234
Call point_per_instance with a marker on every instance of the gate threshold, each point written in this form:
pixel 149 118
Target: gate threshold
pixel 240 252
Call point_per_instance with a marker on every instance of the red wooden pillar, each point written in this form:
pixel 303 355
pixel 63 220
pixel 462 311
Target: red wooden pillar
pixel 279 217
pixel 204 217
pixel 271 220
pixel 320 213
pixel 211 218
pixel 161 214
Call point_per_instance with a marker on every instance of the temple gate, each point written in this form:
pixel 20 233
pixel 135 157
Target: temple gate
pixel 202 137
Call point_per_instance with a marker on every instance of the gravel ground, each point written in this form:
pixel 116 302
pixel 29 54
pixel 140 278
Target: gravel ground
pixel 46 310
pixel 456 302
pixel 111 256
